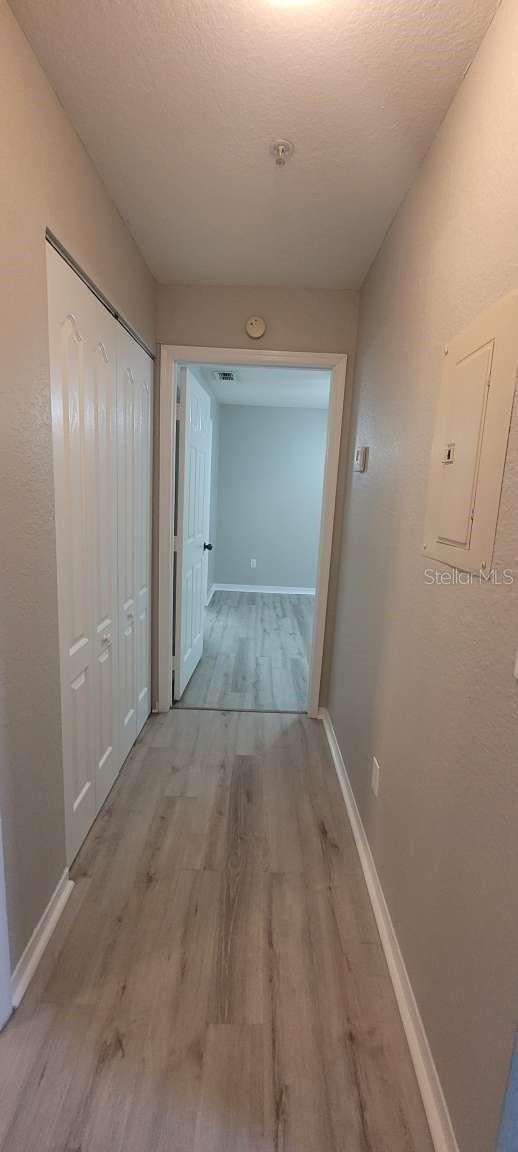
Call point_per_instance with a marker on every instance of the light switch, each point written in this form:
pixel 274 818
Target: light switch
pixel 361 459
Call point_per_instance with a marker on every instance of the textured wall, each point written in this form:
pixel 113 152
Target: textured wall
pixel 298 319
pixel 47 179
pixel 271 468
pixel 423 675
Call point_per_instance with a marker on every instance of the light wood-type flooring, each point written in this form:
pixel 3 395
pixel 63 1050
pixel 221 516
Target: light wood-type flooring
pixel 255 656
pixel 216 982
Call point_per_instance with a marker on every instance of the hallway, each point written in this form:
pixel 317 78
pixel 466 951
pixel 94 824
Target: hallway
pixel 216 982
pixel 256 654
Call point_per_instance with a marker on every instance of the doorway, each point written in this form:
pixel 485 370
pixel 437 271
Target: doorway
pixel 254 605
pixel 251 473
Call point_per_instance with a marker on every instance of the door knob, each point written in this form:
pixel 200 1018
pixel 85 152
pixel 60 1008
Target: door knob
pixel 207 547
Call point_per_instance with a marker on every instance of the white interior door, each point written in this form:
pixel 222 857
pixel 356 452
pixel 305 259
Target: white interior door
pixel 126 531
pixel 134 393
pixel 71 364
pixel 143 394
pixel 103 551
pixel 195 446
pixel 101 389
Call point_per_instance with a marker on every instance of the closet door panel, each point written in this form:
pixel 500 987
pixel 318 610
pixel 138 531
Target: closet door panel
pixel 143 374
pixel 71 398
pixel 101 390
pixel 126 536
pixel 104 583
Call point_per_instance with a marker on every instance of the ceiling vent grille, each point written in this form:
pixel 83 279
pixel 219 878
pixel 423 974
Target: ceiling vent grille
pixel 224 375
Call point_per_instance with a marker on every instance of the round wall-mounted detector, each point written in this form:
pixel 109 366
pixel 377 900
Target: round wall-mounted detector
pixel 255 327
pixel 282 151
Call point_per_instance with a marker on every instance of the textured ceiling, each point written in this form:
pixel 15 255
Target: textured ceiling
pixel 267 387
pixel 178 101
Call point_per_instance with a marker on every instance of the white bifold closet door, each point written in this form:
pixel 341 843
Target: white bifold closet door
pixel 101 402
pixel 134 498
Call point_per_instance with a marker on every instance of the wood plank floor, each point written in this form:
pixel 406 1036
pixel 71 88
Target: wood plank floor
pixel 256 653
pixel 216 983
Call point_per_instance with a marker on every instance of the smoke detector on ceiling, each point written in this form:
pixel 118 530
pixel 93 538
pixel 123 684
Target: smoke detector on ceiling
pixel 282 151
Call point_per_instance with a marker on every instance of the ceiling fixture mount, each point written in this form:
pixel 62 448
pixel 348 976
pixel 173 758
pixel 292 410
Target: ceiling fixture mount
pixel 282 151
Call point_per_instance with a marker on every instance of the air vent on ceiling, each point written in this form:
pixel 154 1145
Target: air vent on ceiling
pixel 224 374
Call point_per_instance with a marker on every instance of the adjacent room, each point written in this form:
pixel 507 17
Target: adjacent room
pixel 268 432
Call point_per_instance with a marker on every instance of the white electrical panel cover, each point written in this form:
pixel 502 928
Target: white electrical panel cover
pixel 479 372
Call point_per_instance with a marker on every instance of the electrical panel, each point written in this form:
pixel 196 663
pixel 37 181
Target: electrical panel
pixel 479 372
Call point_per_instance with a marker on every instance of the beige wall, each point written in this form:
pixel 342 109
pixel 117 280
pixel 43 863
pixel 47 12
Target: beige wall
pixel 298 319
pixel 423 676
pixel 47 179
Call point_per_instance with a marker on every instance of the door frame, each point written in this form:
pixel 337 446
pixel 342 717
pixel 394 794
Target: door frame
pixel 6 1005
pixel 172 356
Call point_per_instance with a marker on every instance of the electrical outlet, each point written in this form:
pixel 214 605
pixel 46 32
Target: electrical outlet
pixel 375 776
pixel 253 563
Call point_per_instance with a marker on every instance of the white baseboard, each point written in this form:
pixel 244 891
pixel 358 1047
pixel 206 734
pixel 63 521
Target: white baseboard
pixel 266 588
pixel 210 593
pixel 436 1108
pixel 32 954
